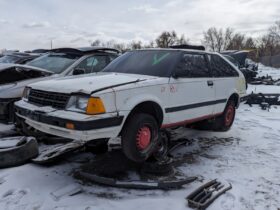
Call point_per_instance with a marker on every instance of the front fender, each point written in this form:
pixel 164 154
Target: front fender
pixel 132 101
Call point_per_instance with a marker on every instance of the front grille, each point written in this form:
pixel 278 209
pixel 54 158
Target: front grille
pixel 45 98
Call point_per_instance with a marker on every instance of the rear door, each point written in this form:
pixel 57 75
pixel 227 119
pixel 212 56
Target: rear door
pixel 192 94
pixel 225 78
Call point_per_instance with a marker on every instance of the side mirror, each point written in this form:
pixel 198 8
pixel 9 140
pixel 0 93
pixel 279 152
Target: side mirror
pixel 78 71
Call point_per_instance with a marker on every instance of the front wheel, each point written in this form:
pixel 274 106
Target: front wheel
pixel 140 137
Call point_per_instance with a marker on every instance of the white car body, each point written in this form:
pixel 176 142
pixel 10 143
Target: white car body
pixel 181 100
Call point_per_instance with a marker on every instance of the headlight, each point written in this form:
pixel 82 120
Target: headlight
pixel 88 105
pixel 26 92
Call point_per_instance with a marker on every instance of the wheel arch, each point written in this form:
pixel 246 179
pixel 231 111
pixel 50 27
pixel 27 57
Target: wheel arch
pixel 148 107
pixel 234 97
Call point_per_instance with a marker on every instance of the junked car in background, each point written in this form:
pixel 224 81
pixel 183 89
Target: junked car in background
pixel 57 63
pixel 18 58
pixel 240 59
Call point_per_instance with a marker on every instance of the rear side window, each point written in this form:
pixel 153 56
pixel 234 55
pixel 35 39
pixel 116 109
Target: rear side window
pixel 194 65
pixel 220 68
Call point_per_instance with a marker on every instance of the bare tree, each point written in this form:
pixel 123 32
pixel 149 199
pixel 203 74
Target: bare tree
pixel 135 45
pixel 237 42
pixel 182 40
pixel 96 42
pixel 209 38
pixel 166 39
pixel 217 39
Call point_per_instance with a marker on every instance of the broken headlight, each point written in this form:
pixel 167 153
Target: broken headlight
pixel 77 104
pixel 26 92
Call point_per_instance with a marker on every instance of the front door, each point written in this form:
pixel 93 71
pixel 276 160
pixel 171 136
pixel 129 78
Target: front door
pixel 192 95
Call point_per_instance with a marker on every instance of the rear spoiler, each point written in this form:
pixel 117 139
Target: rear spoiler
pixel 188 47
pixel 83 52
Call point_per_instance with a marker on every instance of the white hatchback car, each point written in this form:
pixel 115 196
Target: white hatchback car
pixel 136 96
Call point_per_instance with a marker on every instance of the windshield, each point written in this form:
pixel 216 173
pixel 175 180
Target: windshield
pixel 54 62
pixel 9 59
pixel 145 62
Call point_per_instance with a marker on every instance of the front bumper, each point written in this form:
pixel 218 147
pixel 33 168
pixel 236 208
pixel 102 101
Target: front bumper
pixel 54 122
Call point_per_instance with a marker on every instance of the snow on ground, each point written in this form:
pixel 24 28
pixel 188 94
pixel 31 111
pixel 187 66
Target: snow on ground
pixel 249 160
pixel 246 156
pixel 263 89
pixel 266 70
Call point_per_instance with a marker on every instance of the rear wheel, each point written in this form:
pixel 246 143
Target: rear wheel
pixel 140 137
pixel 225 121
pixel 220 123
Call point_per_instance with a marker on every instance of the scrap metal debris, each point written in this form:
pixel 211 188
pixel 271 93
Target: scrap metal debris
pixel 52 153
pixel 114 169
pixel 202 197
pixel 265 80
pixel 138 184
pixel 264 100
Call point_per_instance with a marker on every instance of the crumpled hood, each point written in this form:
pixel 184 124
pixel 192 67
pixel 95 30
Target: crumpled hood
pixel 89 83
pixel 4 66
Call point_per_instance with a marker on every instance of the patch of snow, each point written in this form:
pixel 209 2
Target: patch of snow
pixel 263 89
pixel 266 70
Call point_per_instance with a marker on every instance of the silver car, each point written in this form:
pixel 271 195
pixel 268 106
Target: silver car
pixel 57 63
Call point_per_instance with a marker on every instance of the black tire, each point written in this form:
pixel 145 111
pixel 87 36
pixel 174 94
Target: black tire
pixel 158 168
pixel 140 137
pixel 25 150
pixel 225 121
pixel 161 152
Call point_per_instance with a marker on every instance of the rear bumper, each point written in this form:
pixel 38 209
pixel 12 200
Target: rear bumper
pixel 85 127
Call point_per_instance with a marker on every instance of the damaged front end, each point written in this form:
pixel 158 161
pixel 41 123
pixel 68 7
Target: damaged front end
pixel 13 79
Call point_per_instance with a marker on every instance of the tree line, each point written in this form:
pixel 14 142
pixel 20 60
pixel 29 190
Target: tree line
pixel 265 48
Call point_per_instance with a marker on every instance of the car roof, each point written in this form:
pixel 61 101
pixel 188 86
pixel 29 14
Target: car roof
pixel 85 50
pixel 177 49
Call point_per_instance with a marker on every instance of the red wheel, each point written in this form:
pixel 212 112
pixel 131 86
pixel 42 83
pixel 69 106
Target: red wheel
pixel 140 137
pixel 225 121
pixel 143 138
pixel 229 114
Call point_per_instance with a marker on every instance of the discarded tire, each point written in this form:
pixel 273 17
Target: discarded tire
pixel 158 168
pixel 25 149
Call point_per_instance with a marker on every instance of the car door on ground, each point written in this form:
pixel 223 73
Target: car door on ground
pixel 224 79
pixel 191 96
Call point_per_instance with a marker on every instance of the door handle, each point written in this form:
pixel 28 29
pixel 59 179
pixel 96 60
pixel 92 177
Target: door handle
pixel 210 83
